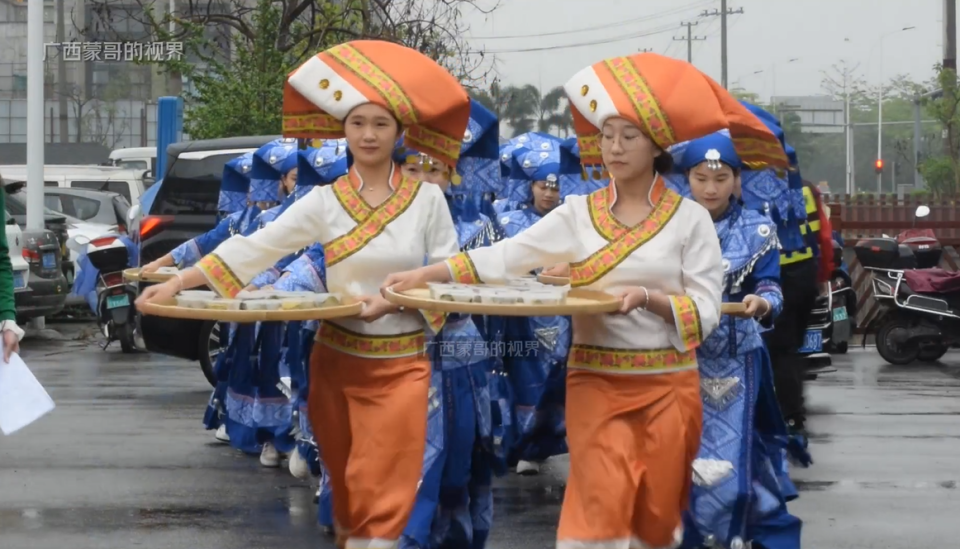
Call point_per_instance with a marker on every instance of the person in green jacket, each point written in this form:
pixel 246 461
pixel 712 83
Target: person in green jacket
pixel 12 334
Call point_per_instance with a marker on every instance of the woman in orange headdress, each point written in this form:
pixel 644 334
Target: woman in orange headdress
pixel 633 391
pixel 369 376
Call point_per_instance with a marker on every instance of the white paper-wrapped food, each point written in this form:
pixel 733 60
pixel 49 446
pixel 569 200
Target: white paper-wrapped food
pixel 168 270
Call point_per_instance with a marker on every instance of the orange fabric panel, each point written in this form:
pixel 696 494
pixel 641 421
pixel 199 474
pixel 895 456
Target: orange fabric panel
pixel 632 442
pixel 370 420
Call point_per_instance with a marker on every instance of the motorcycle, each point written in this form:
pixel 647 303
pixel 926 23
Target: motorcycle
pixel 920 315
pixel 831 320
pixel 99 279
pixel 842 304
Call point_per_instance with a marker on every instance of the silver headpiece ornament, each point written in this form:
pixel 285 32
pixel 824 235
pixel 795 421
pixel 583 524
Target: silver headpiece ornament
pixel 713 159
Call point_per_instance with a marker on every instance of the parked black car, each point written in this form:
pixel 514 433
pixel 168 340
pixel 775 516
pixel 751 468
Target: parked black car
pixel 47 283
pixel 186 206
pixel 53 221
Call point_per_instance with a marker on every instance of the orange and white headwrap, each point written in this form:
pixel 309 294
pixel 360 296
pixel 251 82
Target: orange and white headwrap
pixel 428 101
pixel 670 101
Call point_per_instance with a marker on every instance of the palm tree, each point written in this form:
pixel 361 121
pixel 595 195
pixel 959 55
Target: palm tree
pixel 525 110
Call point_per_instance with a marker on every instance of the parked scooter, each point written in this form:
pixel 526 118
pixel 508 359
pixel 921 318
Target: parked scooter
pixel 842 304
pixel 99 279
pixel 920 315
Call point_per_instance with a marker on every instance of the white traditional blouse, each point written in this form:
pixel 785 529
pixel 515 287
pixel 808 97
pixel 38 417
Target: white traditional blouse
pixel 675 250
pixel 362 245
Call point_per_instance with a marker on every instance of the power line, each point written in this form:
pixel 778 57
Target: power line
pixel 690 39
pixel 604 26
pixel 651 32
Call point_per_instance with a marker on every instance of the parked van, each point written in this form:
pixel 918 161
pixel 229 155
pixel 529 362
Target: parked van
pixel 128 183
pixel 135 158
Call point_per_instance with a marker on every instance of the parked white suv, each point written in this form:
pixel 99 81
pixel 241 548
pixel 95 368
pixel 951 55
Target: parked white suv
pixel 21 269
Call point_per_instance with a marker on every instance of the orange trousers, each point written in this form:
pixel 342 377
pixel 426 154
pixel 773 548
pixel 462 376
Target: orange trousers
pixel 633 439
pixel 370 419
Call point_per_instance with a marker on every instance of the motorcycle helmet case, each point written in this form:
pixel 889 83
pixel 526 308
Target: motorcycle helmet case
pixel 878 253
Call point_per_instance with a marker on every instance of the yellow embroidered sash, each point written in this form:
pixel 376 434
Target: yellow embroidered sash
pixel 370 346
pixel 622 240
pixel 629 361
pixel 372 221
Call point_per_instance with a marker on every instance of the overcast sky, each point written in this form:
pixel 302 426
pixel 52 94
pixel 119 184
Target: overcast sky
pixel 819 33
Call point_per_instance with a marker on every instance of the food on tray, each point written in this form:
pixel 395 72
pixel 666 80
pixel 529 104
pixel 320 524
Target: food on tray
pixel 518 291
pixel 262 304
pixel 167 270
pixel 501 297
pixel 543 297
pixel 191 302
pixel 295 303
pixel 326 300
pixel 223 304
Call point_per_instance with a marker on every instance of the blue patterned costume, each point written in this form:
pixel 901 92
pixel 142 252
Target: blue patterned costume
pixel 740 483
pixel 238 214
pixel 249 398
pixel 469 418
pixel 538 372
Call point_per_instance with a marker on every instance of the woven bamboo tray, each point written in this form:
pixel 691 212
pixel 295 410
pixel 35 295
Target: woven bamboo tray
pixel 134 275
pixel 169 309
pixel 578 302
pixel 725 308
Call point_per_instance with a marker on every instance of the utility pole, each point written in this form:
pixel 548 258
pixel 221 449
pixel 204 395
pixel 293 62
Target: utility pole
pixel 690 39
pixel 950 60
pixel 723 13
pixel 62 78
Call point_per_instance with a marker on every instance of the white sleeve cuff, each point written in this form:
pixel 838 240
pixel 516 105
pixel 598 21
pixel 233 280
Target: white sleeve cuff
pixel 11 325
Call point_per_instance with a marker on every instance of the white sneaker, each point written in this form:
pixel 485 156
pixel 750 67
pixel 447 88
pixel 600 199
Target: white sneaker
pixel 299 467
pixel 222 435
pixel 528 468
pixel 269 456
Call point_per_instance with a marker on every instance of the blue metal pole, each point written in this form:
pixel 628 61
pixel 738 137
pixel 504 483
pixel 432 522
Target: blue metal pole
pixel 169 129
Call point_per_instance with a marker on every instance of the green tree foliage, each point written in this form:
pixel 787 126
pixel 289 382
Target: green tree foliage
pixel 243 96
pixel 941 168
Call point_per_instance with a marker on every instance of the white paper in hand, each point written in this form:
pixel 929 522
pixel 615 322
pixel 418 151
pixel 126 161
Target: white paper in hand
pixel 22 399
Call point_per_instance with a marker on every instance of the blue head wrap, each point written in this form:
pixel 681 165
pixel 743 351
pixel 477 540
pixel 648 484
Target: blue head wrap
pixel 546 161
pixel 478 166
pixel 272 161
pixel 265 190
pixel 769 120
pixel 235 184
pixel 322 166
pixel 714 149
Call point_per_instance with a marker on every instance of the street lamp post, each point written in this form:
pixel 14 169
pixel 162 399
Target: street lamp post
pixel 773 70
pixel 880 110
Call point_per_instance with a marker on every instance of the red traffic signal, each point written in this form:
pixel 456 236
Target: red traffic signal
pixel 879 165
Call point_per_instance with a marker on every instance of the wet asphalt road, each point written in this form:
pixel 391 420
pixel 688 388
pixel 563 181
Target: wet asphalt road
pixel 124 462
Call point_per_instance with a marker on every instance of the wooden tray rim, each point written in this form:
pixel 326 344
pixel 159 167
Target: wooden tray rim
pixel 725 308
pixel 134 275
pixel 352 307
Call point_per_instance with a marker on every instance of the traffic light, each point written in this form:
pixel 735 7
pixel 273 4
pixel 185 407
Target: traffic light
pixel 879 165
